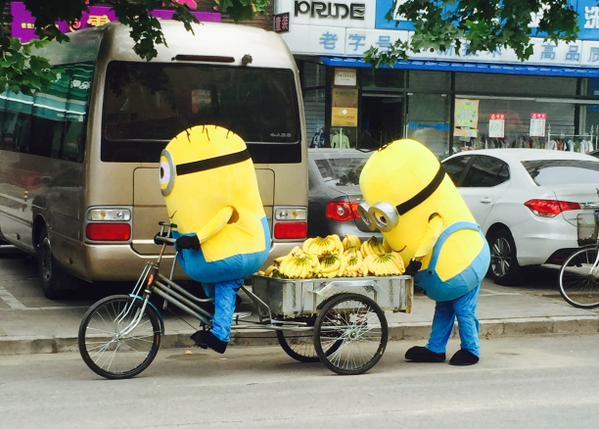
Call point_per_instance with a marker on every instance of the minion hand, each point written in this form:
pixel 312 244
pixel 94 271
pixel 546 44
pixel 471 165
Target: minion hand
pixel 188 242
pixel 413 267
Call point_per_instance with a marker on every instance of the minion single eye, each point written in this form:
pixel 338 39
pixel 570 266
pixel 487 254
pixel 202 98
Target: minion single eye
pixel 385 216
pixel 167 173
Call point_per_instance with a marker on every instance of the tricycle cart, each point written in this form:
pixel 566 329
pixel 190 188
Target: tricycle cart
pixel 338 321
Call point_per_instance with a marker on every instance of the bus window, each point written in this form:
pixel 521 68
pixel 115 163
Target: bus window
pixel 147 104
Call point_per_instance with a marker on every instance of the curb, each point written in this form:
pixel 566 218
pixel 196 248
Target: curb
pixel 490 328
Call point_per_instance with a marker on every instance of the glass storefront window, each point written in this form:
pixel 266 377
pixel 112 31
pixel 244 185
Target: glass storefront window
pixel 377 80
pixel 473 83
pixel 428 121
pixel 517 114
pixel 429 81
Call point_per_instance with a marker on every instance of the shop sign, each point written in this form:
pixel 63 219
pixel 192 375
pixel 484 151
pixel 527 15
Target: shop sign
pixel 537 124
pixel 23 21
pixel 339 13
pixel 465 118
pixel 497 125
pixel 345 77
pixel 281 22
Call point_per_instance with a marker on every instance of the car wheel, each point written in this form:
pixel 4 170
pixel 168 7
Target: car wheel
pixel 504 269
pixel 55 281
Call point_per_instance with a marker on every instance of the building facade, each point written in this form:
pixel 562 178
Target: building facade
pixel 450 102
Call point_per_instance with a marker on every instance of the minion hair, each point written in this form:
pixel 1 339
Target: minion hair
pixel 207 132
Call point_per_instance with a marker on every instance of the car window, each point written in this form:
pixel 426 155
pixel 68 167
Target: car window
pixel 486 172
pixel 341 171
pixel 562 171
pixel 456 167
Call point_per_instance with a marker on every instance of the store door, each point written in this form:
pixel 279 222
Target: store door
pixel 381 120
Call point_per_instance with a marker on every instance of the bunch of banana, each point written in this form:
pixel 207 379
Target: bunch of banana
pixel 354 264
pixel 299 266
pixel 351 242
pixel 374 247
pixel 387 264
pixel 332 265
pixel 320 246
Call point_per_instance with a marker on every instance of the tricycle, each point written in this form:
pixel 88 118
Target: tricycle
pixel 338 321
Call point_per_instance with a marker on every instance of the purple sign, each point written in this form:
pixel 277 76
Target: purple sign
pixel 23 21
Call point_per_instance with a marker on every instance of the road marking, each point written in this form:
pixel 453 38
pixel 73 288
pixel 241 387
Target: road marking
pixel 10 300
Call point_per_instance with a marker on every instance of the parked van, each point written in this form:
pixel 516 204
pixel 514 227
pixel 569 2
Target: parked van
pixel 79 160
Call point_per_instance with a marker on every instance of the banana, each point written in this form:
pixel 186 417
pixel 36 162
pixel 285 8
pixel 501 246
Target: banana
pixel 319 246
pixel 331 265
pixel 373 247
pixel 354 266
pixel 387 264
pixel 351 242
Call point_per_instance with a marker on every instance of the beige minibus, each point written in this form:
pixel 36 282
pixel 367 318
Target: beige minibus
pixel 79 184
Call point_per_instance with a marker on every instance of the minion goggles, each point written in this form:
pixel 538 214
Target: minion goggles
pixel 169 171
pixel 384 216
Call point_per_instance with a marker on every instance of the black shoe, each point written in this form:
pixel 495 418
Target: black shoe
pixel 463 358
pixel 422 354
pixel 205 339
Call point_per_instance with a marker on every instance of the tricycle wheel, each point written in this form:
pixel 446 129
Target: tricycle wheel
pixel 353 330
pixel 299 345
pixel 119 336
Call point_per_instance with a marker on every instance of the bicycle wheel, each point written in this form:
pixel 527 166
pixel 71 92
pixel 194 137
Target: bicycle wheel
pixel 299 345
pixel 353 331
pixel 112 343
pixel 579 278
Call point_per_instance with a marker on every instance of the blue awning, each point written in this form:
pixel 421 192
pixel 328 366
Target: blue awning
pixel 520 69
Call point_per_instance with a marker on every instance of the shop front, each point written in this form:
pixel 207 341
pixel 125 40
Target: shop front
pixel 448 101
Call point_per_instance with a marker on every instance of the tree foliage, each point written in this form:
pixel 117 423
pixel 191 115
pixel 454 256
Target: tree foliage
pixel 479 25
pixel 21 69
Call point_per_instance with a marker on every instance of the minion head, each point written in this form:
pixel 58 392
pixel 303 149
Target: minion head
pixel 204 169
pixel 403 185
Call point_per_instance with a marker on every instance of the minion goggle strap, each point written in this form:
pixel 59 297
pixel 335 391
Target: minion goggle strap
pixel 169 171
pixel 384 216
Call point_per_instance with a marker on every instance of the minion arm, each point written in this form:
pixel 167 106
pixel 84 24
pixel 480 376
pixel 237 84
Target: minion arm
pixel 216 224
pixel 432 233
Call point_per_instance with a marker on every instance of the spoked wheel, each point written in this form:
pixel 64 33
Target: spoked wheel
pixel 352 329
pixel 300 344
pixel 118 337
pixel 579 278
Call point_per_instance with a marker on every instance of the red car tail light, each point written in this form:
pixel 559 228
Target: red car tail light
pixel 108 231
pixel 550 208
pixel 342 211
pixel 291 230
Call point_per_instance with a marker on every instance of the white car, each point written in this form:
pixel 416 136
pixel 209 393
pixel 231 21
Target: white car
pixel 526 202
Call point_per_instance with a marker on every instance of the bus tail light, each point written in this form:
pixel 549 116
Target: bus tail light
pixel 108 231
pixel 290 223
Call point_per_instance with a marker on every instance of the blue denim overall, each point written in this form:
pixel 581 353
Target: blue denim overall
pixel 222 279
pixel 456 297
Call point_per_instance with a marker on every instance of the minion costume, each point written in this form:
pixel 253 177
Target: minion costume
pixel 410 199
pixel 209 184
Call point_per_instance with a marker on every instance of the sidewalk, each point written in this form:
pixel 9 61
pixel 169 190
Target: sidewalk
pixel 503 311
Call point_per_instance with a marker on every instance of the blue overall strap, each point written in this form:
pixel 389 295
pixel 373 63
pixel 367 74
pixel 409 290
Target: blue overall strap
pixel 443 238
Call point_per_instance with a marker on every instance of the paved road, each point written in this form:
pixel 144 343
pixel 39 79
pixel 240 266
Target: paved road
pixel 540 382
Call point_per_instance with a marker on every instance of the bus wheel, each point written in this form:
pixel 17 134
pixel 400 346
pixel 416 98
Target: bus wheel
pixel 55 281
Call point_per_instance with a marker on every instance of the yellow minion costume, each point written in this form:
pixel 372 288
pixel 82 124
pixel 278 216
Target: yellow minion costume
pixel 410 199
pixel 211 191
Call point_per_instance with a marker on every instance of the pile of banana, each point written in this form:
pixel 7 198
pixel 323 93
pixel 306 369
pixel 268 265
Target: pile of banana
pixel 327 257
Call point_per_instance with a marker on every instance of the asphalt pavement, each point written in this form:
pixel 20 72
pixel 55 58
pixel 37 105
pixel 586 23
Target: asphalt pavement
pixel 30 323
pixel 521 382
